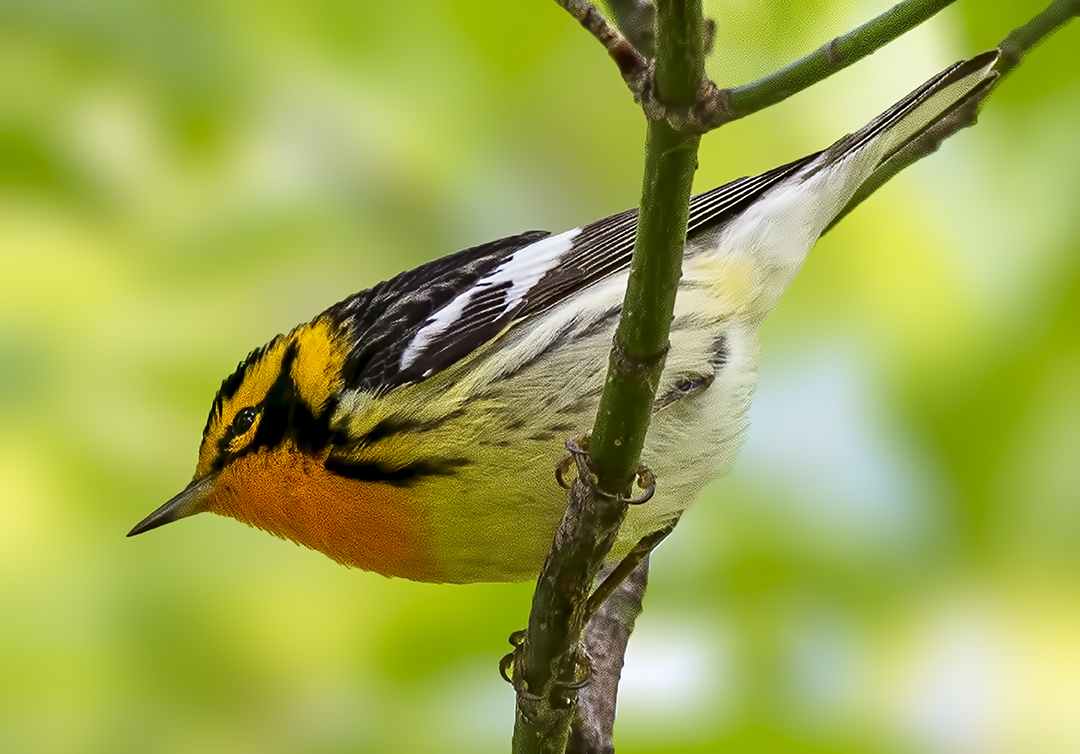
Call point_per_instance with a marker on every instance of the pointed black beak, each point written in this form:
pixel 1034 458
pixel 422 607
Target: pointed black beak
pixel 194 499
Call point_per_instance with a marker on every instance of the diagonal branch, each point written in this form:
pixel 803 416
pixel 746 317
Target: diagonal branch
pixel 605 643
pixel 634 67
pixel 831 57
pixel 637 20
pixel 1013 49
pixel 712 107
pixel 1024 39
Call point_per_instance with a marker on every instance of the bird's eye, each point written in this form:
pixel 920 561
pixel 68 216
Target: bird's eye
pixel 243 421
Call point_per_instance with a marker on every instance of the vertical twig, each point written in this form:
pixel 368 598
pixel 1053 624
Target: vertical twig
pixel 606 638
pixel 546 668
pixel 680 103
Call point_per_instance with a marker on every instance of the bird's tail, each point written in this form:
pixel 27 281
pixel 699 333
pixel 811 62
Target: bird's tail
pixel 786 210
pixel 950 90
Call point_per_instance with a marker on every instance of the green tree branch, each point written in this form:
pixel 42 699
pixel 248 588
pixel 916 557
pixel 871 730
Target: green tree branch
pixel 1024 39
pixel 680 103
pixel 547 667
pixel 1013 50
pixel 831 57
pixel 713 106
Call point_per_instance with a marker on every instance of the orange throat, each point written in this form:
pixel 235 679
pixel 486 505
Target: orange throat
pixel 372 526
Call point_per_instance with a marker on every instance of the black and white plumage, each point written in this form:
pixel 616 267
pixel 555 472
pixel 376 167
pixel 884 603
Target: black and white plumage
pixel 503 346
pixel 436 403
pixel 441 311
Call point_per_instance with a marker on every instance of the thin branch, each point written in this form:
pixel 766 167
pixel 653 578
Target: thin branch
pixel 634 67
pixel 711 106
pixel 547 667
pixel 1024 39
pixel 965 113
pixel 616 575
pixel 831 57
pixel 637 20
pixel 641 339
pixel 605 644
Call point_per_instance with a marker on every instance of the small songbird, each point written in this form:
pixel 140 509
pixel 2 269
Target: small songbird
pixel 412 428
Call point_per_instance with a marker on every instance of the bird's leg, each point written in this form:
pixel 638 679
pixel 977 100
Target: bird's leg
pixel 578 455
pixel 506 670
pixel 506 664
pixel 646 480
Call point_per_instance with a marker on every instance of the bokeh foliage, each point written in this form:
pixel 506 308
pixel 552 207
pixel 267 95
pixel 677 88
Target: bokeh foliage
pixel 893 566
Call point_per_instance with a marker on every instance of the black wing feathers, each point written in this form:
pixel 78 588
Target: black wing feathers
pixel 408 316
pixel 384 319
pixel 484 316
pixel 605 246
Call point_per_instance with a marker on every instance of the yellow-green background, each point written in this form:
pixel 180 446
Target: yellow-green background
pixel 894 566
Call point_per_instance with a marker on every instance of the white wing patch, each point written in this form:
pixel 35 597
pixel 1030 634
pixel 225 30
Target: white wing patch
pixel 524 269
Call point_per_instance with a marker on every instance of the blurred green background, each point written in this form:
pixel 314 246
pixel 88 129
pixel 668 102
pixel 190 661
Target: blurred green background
pixel 893 567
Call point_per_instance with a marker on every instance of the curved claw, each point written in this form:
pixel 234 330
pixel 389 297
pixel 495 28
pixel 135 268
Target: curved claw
pixel 578 445
pixel 577 455
pixel 564 465
pixel 506 664
pixel 576 685
pixel 567 689
pixel 577 448
pixel 506 668
pixel 647 481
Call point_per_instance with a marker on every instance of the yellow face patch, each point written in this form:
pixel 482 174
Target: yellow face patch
pixel 316 372
pixel 318 350
pixel 255 382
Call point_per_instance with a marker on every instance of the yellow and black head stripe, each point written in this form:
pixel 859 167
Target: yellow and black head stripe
pixel 283 414
pixel 231 384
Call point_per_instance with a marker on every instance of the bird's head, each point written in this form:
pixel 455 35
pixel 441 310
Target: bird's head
pixel 269 416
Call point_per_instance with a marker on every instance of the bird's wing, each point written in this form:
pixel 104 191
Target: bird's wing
pixel 425 319
pixel 384 319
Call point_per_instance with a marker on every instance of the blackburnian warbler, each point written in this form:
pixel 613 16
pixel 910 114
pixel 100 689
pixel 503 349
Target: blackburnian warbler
pixel 412 428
